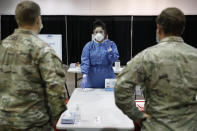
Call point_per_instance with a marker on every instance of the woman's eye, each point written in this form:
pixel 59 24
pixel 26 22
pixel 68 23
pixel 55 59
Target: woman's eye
pixel 99 32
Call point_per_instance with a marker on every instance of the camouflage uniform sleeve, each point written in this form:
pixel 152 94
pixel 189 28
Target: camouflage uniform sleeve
pixel 53 75
pixel 131 76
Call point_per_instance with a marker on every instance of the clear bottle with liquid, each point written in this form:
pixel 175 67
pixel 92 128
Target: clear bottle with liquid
pixel 117 65
pixel 77 114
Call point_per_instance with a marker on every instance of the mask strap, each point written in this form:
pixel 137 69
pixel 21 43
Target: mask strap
pixel 92 36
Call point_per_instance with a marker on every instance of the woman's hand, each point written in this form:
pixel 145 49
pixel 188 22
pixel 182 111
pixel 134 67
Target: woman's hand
pixel 108 47
pixel 84 81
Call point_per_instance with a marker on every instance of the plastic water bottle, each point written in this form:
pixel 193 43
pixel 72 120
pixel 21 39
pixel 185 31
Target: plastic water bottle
pixel 77 114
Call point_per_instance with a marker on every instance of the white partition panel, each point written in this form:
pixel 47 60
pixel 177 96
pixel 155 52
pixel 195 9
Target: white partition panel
pixel 55 41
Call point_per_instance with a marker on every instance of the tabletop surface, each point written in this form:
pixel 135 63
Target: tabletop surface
pixel 98 110
pixel 78 70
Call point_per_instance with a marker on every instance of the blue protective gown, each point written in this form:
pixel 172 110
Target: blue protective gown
pixel 97 62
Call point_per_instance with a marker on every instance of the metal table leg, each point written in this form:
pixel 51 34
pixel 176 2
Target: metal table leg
pixel 76 80
pixel 67 91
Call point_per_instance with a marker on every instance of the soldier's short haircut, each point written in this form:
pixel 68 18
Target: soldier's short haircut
pixel 172 21
pixel 26 13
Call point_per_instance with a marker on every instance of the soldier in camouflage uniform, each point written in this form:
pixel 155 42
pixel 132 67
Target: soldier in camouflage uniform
pixel 32 79
pixel 168 74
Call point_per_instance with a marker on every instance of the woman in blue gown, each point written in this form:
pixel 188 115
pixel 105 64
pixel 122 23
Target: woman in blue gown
pixel 97 58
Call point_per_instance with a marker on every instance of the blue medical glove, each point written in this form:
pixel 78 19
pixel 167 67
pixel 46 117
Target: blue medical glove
pixel 84 81
pixel 108 47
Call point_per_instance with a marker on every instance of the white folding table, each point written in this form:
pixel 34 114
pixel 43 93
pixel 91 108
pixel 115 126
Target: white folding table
pixel 98 112
pixel 77 70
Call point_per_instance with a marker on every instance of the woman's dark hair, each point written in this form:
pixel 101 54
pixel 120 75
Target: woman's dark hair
pixel 99 23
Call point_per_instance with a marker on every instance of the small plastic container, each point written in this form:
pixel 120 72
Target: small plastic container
pixel 117 65
pixel 72 65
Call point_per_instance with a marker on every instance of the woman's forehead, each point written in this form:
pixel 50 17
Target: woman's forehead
pixel 98 29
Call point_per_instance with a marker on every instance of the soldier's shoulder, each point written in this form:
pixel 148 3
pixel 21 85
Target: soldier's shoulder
pixel 10 37
pixel 148 54
pixel 190 48
pixel 40 43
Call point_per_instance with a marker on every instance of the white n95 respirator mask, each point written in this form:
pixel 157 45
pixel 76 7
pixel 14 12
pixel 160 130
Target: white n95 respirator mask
pixel 99 37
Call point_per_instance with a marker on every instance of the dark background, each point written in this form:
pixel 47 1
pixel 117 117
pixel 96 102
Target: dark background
pixel 76 31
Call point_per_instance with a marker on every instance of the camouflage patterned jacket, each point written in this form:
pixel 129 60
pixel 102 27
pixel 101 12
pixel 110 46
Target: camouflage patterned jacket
pixel 32 82
pixel 167 72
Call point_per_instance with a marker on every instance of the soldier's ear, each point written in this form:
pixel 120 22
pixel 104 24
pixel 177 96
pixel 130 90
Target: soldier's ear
pixel 159 29
pixel 37 21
